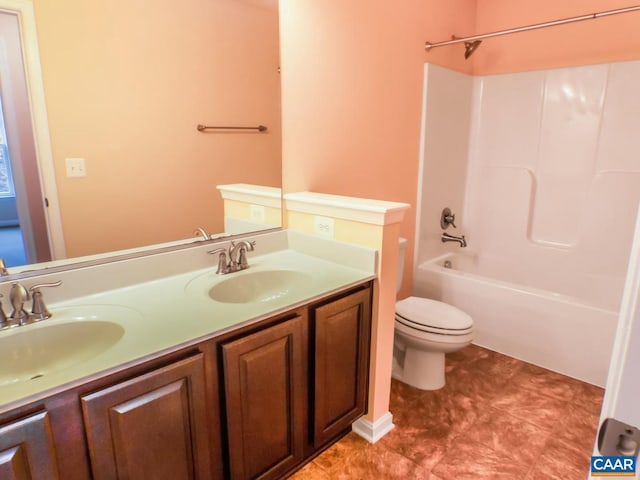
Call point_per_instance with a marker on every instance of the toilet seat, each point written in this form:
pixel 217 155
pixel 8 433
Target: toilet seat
pixel 433 317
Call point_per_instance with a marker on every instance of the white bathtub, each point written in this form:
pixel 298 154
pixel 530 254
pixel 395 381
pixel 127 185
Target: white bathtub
pixel 563 332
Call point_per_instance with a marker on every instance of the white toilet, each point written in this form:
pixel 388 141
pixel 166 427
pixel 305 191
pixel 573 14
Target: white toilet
pixel 424 331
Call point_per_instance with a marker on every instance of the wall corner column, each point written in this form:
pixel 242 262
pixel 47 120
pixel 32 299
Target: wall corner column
pixel 373 224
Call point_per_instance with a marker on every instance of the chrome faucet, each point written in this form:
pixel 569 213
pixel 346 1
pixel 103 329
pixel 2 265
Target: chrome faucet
pixel 237 256
pixel 454 238
pixel 203 232
pixel 17 297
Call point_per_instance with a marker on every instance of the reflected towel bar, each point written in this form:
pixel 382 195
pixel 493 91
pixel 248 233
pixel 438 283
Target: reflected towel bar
pixel 202 128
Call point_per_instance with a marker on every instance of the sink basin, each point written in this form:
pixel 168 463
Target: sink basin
pixel 67 339
pixel 259 286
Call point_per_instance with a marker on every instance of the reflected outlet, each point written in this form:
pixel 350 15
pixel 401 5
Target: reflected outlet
pixel 76 167
pixel 256 212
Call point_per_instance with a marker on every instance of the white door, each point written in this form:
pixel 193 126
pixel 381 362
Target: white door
pixel 622 395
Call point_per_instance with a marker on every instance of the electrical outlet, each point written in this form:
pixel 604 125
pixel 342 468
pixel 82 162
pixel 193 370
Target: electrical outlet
pixel 323 226
pixel 256 213
pixel 76 167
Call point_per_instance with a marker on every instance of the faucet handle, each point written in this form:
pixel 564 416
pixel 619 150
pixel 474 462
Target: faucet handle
pixel 223 266
pixel 39 310
pixel 3 268
pixel 17 296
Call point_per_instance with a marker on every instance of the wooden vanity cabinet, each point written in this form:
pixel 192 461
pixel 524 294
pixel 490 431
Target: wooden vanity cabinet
pixel 265 395
pixel 293 387
pixel 341 338
pixel 254 403
pixel 151 427
pixel 27 449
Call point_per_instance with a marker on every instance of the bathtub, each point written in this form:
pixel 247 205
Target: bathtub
pixel 570 332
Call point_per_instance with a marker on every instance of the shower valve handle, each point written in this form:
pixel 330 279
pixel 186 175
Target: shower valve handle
pixel 447 218
pixel 450 219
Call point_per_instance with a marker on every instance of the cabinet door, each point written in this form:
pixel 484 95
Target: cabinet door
pixel 341 362
pixel 26 449
pixel 151 427
pixel 265 378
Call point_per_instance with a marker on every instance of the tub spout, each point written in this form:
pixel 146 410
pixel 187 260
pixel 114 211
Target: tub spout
pixel 453 238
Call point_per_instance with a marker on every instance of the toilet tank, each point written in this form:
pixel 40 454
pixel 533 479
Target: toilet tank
pixel 402 247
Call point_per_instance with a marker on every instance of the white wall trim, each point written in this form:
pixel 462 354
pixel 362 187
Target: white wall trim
pixel 372 432
pixel 255 194
pixel 376 212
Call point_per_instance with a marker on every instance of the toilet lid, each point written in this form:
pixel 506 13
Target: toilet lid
pixel 432 315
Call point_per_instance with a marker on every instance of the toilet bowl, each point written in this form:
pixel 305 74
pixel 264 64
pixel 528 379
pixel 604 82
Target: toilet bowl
pixel 424 331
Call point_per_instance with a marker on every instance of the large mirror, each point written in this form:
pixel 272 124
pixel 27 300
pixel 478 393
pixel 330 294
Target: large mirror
pixel 126 84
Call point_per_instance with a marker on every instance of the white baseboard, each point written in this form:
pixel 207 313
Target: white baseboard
pixel 372 432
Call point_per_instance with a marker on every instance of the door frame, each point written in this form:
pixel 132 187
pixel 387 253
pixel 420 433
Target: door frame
pixel 620 397
pixel 23 9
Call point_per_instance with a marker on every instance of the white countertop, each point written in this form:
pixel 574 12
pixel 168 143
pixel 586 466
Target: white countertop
pixel 165 312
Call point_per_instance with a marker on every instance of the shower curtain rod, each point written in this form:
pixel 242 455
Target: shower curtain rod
pixel 592 16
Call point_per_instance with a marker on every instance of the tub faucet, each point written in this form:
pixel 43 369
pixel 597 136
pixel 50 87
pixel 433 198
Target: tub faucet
pixel 454 238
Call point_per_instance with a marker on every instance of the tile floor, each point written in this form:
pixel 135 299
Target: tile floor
pixel 497 418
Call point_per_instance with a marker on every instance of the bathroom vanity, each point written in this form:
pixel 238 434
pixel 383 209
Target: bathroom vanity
pixel 205 390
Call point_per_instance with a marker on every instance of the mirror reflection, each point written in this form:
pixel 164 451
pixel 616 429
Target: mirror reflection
pixel 126 84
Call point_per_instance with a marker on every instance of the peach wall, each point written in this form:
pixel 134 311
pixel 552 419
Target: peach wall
pixel 609 39
pixel 126 84
pixel 352 88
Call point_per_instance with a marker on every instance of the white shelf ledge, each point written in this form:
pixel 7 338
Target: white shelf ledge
pixel 254 194
pixel 376 212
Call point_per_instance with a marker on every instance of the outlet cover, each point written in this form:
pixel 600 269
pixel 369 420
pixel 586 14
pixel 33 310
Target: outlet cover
pixel 76 167
pixel 323 226
pixel 256 213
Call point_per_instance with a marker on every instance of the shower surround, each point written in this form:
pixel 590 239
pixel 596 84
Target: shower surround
pixel 542 169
